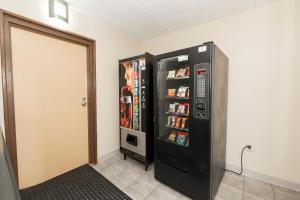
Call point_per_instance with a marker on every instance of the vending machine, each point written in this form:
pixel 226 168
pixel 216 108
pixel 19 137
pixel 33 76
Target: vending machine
pixel 136 108
pixel 190 95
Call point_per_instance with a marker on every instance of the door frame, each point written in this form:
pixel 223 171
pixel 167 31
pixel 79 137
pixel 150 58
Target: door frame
pixel 8 20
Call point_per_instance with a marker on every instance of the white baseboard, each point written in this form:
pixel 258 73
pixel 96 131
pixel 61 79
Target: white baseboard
pixel 106 156
pixel 266 178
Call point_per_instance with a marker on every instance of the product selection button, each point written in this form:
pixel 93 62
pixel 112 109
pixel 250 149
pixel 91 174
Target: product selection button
pixel 143 98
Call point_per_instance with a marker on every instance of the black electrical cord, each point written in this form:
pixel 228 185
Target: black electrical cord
pixel 242 167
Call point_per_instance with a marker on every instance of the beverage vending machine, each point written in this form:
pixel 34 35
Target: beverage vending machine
pixel 190 95
pixel 136 108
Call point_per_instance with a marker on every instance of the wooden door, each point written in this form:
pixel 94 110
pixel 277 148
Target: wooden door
pixel 49 81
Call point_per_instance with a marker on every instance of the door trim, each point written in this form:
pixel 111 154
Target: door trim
pixel 8 20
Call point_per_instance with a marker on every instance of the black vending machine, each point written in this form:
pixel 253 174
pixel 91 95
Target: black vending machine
pixel 190 95
pixel 136 108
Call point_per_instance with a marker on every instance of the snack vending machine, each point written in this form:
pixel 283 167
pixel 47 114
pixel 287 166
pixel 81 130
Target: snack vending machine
pixel 190 95
pixel 136 109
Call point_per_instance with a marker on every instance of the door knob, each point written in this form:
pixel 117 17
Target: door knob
pixel 83 101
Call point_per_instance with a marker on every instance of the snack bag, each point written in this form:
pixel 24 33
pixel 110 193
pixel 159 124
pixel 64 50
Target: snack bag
pixel 178 122
pixel 183 124
pixel 173 121
pixel 182 92
pixel 181 109
pixel 171 74
pixel 187 71
pixel 169 120
pixel 182 138
pixel 172 136
pixel 188 93
pixel 172 107
pixel 181 73
pixel 171 92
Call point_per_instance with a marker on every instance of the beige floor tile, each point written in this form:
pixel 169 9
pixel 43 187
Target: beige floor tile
pixel 108 162
pixel 125 179
pixel 248 196
pixel 151 166
pixel 233 180
pixel 163 193
pixel 140 189
pixel 113 170
pixel 129 175
pixel 255 189
pixel 285 194
pixel 183 197
pixel 132 163
pixel 149 177
pixel 227 192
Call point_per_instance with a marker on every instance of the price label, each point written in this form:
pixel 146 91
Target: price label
pixel 202 49
pixel 183 58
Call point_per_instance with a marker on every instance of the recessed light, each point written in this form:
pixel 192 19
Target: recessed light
pixel 59 9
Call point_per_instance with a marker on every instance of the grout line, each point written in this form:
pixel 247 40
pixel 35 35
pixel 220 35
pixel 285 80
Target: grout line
pixel 274 196
pixel 151 192
pixel 154 16
pixel 134 180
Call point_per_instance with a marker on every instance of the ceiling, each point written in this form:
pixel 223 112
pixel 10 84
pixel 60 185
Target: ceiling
pixel 146 19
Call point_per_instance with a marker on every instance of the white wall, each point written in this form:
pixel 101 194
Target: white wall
pixel 112 45
pixel 263 84
pixel 264 88
pixel 295 106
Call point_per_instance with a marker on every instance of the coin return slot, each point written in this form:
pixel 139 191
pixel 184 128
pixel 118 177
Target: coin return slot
pixel 131 139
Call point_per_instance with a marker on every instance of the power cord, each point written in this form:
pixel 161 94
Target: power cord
pixel 242 167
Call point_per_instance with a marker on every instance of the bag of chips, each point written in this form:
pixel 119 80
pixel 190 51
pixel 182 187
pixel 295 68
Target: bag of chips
pixel 172 136
pixel 172 107
pixel 171 92
pixel 187 71
pixel 169 121
pixel 181 73
pixel 178 122
pixel 182 92
pixel 183 124
pixel 171 74
pixel 173 121
pixel 182 138
pixel 181 109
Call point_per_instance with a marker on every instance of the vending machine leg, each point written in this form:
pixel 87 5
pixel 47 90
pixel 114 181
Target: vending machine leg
pixel 125 156
pixel 146 166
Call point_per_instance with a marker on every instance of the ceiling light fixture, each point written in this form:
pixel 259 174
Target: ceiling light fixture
pixel 59 9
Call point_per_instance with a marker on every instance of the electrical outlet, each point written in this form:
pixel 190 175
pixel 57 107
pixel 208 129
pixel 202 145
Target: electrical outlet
pixel 249 147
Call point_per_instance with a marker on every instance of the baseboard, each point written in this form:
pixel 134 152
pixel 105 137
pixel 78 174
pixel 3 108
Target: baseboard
pixel 266 178
pixel 106 156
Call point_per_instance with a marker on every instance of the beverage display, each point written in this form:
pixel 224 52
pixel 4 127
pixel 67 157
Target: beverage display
pixel 190 89
pixel 135 85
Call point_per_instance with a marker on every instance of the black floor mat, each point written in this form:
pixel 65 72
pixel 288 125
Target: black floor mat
pixel 83 183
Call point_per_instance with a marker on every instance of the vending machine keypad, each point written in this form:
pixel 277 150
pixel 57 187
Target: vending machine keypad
pixel 201 91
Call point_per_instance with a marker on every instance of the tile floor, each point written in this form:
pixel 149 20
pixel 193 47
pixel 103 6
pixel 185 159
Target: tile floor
pixel 130 176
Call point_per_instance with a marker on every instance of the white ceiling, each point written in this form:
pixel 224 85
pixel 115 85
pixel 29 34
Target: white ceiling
pixel 146 19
